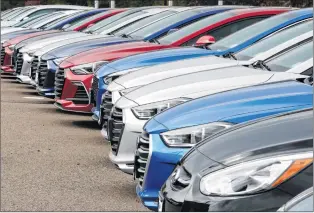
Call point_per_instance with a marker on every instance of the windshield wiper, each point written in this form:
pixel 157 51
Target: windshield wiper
pixel 262 65
pixel 155 41
pixel 125 36
pixel 230 55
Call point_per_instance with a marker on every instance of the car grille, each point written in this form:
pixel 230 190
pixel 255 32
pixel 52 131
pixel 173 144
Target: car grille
pixel 19 63
pixel 94 90
pixel 141 157
pixel 105 108
pixel 115 129
pixel 81 96
pixel 2 55
pixel 34 67
pixel 14 56
pixel 59 82
pixel 42 73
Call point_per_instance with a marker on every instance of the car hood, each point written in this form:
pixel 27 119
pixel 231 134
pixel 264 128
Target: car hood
pixel 156 57
pixel 201 84
pixel 11 35
pixel 167 70
pixel 33 46
pixel 77 47
pixel 109 53
pixel 238 105
pixel 23 37
pixel 254 139
pixel 258 138
pixel 11 29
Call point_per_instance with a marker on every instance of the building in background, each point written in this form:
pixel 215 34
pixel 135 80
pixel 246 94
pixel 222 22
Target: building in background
pixel 31 2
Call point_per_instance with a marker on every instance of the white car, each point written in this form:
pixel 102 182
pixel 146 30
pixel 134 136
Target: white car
pixel 139 105
pixel 37 22
pixel 29 12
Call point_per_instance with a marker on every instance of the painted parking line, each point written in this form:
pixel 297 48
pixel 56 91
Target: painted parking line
pixel 35 98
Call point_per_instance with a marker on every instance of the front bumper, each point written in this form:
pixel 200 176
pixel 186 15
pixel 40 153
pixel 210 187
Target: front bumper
pixel 6 60
pixel 124 156
pixel 46 78
pixel 191 199
pixel 75 93
pixel 160 164
pixel 23 79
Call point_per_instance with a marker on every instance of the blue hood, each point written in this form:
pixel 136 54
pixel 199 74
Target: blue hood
pixel 237 106
pixel 78 47
pixel 154 58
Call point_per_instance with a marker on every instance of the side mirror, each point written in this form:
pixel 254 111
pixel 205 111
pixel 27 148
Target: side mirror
pixel 205 40
pixel 66 26
pixel 90 25
pixel 172 31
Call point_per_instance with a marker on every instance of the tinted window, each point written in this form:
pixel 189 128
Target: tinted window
pixel 274 40
pixel 164 23
pixel 185 31
pixel 109 20
pixel 121 20
pixel 252 31
pixel 303 206
pixel 226 30
pixel 292 58
pixel 39 12
pixel 29 21
pixel 143 22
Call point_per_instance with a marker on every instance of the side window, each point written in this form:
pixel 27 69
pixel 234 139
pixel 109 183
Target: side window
pixel 308 72
pixel 227 29
pixel 40 12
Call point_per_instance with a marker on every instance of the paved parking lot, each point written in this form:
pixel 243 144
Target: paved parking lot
pixel 56 161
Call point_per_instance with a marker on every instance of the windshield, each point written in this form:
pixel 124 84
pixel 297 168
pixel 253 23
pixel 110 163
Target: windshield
pixel 54 24
pixel 185 31
pixel 91 18
pixel 250 32
pixel 120 21
pixel 275 40
pixel 17 14
pixel 165 23
pixel 143 22
pixel 29 21
pixel 109 20
pixel 292 58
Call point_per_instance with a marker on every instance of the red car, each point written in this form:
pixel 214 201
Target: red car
pixel 72 87
pixel 7 47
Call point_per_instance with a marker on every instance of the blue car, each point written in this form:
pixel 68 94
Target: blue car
pixel 124 35
pixel 170 134
pixel 225 47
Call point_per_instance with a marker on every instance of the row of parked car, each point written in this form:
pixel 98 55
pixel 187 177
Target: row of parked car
pixel 210 108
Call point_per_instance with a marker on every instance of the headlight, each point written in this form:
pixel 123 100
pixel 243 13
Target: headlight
pixel 89 68
pixel 149 110
pixel 27 57
pixel 254 176
pixel 189 136
pixel 11 47
pixel 108 79
pixel 59 60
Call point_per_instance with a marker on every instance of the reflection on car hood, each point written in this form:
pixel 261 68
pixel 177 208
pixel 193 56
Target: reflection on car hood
pixel 157 57
pixel 239 105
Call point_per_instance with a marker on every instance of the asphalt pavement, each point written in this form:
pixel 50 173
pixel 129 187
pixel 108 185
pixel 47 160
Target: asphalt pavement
pixel 56 161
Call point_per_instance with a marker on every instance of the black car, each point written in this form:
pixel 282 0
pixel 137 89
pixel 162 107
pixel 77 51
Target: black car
pixel 303 202
pixel 256 166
